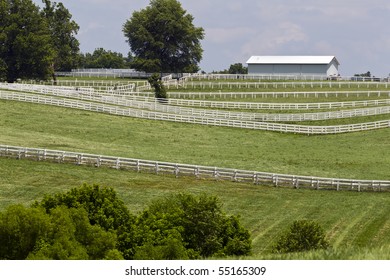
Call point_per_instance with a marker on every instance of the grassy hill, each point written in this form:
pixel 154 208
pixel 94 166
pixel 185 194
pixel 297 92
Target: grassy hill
pixel 357 224
pixel 363 155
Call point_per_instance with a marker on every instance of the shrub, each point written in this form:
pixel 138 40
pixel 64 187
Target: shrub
pixel 198 222
pixel 159 90
pixel 303 235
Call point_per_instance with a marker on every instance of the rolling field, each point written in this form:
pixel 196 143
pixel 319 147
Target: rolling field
pixel 357 224
pixel 362 155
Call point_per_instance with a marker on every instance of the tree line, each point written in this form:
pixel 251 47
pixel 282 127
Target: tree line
pixel 92 223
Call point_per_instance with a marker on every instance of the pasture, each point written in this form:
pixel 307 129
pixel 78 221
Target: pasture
pixel 354 221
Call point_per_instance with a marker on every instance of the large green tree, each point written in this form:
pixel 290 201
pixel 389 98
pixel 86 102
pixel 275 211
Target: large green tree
pixel 35 42
pixel 163 38
pixel 63 31
pixel 26 50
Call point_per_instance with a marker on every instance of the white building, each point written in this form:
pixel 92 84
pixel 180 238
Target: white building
pixel 293 65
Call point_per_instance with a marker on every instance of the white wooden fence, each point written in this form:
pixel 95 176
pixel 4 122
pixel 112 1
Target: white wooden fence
pixel 278 94
pixel 154 105
pixel 198 171
pixel 121 111
pixel 204 103
pixel 204 85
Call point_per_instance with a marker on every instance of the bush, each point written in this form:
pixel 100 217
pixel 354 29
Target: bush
pixel 159 90
pixel 198 222
pixel 303 235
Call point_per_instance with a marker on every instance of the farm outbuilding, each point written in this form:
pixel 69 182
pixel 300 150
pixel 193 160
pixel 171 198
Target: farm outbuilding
pixel 293 65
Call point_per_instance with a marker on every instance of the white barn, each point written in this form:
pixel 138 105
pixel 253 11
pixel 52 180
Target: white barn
pixel 293 65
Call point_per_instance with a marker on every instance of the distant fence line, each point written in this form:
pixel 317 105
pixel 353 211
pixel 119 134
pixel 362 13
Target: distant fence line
pixel 211 104
pixel 198 171
pixel 279 94
pixel 293 77
pixel 176 84
pixel 121 111
pixel 131 73
pixel 156 106
pixel 108 87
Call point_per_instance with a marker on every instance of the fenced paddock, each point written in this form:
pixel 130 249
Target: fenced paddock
pixel 197 171
pixel 154 105
pixel 153 115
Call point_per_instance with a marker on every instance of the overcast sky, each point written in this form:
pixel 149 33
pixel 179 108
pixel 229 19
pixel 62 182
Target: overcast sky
pixel 357 32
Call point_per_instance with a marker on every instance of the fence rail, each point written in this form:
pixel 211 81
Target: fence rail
pixel 198 171
pixel 130 112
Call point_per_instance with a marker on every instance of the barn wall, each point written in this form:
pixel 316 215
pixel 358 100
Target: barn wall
pixel 333 69
pixel 291 69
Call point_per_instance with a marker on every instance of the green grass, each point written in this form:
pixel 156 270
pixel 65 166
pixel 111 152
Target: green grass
pixel 356 224
pixel 363 155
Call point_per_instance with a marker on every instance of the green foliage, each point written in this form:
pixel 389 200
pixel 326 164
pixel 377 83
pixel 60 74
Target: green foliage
pixel 102 58
pixel 35 42
pixel 92 223
pixel 63 31
pixel 104 209
pixel 303 235
pixel 101 203
pixel 163 38
pixel 20 230
pixel 26 47
pixel 196 223
pixel 236 68
pixel 156 83
pixel 64 233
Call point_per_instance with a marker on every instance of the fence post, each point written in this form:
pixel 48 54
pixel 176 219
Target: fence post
pixel 196 172
pixel 79 159
pixel 177 171
pixel 98 161
pixel 297 183
pixel 118 164
pixel 256 178
pixel 275 180
pixel 235 176
pixel 216 174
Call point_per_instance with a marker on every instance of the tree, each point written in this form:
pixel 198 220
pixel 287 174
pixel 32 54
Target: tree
pixel 196 224
pixel 20 230
pixel 163 38
pixel 302 235
pixel 367 74
pixel 26 49
pixel 158 86
pixel 104 209
pixel 102 58
pixel 238 68
pixel 63 31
